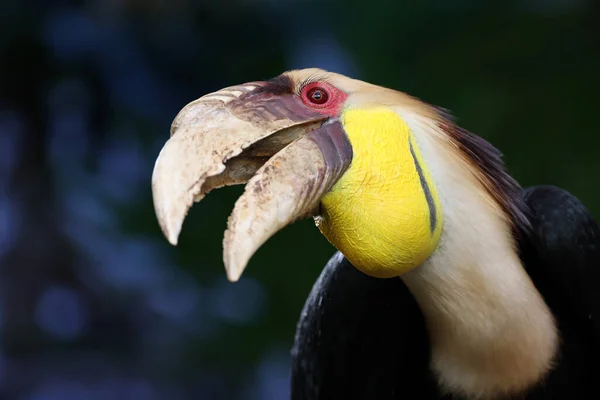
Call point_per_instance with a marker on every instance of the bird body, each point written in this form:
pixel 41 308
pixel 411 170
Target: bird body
pixel 449 280
pixel 351 320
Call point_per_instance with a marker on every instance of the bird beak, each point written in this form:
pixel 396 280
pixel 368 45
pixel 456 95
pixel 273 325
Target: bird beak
pixel 289 155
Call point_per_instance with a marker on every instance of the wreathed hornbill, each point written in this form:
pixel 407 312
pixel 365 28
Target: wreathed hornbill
pixel 497 290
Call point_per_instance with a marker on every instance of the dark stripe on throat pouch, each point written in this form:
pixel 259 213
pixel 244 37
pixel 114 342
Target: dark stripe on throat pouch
pixel 426 190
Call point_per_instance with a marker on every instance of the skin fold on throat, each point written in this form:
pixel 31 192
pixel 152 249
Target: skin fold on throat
pixel 384 214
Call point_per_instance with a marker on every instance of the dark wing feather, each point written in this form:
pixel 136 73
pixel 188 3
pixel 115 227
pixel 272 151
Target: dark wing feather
pixel 360 338
pixel 562 256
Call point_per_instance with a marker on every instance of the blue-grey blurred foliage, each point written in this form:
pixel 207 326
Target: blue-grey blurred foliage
pixel 94 303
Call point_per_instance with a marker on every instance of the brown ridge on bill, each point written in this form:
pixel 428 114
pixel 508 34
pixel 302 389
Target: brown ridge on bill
pixel 279 85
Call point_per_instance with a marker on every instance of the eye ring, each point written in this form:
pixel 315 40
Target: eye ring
pixel 322 97
pixel 318 95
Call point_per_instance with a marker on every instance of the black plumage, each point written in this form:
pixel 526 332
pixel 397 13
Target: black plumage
pixel 365 338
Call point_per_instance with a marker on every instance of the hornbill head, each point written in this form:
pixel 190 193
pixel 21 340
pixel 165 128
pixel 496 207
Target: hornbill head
pixel 314 143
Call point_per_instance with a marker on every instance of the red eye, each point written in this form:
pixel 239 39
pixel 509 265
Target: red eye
pixel 317 95
pixel 323 97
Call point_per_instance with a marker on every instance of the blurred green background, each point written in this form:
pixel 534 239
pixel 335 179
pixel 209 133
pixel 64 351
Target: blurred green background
pixel 94 303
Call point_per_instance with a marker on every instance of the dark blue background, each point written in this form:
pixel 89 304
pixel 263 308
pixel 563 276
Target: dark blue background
pixel 94 303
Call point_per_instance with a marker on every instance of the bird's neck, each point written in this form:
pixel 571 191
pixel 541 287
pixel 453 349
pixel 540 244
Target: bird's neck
pixel 492 334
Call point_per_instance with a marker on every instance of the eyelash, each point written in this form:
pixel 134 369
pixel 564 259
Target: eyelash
pixel 311 79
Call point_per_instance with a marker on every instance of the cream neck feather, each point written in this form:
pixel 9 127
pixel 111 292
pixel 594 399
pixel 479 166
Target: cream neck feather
pixel 491 332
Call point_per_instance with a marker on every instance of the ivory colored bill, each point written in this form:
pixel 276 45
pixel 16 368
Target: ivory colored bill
pixel 288 187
